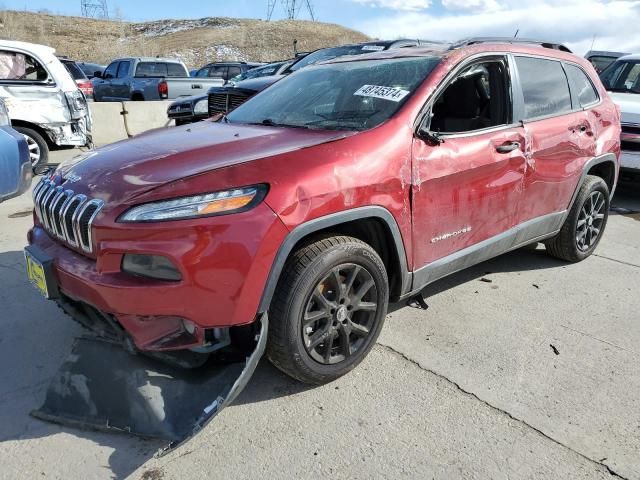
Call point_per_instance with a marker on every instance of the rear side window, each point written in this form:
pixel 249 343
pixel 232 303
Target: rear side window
pixel 74 70
pixel 16 66
pixel 581 85
pixel 123 69
pixel 545 87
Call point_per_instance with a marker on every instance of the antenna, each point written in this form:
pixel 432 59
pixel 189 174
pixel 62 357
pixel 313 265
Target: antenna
pixel 94 8
pixel 291 7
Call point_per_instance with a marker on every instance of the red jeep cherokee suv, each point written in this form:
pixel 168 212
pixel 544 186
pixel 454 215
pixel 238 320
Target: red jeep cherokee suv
pixel 342 187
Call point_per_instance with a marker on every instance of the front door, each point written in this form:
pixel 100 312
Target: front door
pixel 468 188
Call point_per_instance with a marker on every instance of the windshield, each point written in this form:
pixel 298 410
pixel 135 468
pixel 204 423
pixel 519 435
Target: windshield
pixel 329 53
pixel 338 96
pixel 622 76
pixel 265 71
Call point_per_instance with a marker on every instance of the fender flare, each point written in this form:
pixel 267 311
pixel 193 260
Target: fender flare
pixel 322 223
pixel 604 158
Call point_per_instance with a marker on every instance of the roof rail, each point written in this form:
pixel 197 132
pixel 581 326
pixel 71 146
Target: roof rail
pixel 475 40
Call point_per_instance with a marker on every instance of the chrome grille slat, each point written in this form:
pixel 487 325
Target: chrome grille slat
pixel 66 215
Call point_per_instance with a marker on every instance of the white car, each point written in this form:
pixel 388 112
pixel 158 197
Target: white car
pixel 43 101
pixel 622 81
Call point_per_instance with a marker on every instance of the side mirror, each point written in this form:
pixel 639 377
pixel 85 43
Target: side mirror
pixel 427 136
pixel 97 74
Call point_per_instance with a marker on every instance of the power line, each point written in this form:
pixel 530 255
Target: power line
pixel 94 8
pixel 291 7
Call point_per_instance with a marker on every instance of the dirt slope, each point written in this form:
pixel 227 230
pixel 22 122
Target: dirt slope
pixel 196 42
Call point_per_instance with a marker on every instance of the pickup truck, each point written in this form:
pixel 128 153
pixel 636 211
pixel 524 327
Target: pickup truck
pixel 149 78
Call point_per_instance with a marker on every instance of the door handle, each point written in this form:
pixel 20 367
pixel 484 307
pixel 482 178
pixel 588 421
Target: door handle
pixel 509 147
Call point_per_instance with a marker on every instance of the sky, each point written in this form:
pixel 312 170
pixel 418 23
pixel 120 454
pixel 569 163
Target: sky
pixel 605 24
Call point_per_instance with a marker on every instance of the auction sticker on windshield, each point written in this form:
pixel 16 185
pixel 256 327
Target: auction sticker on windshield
pixel 386 93
pixel 373 48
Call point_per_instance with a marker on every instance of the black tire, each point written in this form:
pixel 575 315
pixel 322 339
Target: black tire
pixel 570 243
pixel 38 147
pixel 301 281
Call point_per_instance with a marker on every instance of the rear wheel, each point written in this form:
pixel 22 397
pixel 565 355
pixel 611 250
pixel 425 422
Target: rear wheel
pixel 38 147
pixel 328 309
pixel 585 224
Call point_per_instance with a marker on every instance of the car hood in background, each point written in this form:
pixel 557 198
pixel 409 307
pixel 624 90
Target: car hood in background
pixel 123 170
pixel 629 103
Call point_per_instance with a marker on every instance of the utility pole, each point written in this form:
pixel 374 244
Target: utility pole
pixel 291 7
pixel 94 8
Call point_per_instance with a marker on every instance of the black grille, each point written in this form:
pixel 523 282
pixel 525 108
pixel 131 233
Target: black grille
pixel 64 214
pixel 631 129
pixel 224 100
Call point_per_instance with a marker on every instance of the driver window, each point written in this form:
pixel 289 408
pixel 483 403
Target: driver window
pixel 478 98
pixel 21 67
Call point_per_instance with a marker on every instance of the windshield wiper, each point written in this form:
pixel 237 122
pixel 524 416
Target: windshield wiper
pixel 271 123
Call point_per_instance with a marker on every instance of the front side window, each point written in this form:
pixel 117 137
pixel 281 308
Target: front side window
pixel 581 85
pixel 16 66
pixel 110 71
pixel 544 86
pixel 478 98
pixel 354 95
pixel 203 72
pixel 622 76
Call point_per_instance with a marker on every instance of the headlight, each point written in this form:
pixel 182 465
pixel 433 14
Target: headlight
pixel 4 114
pixel 218 203
pixel 202 106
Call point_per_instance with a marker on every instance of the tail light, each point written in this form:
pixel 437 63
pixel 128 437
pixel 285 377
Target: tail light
pixel 163 89
pixel 86 87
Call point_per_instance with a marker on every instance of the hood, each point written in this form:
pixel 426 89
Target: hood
pixel 629 103
pixel 190 100
pixel 258 84
pixel 123 170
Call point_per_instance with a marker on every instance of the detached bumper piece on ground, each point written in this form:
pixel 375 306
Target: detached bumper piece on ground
pixel 102 386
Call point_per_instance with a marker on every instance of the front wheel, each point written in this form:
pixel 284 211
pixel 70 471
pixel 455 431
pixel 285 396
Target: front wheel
pixel 585 224
pixel 328 310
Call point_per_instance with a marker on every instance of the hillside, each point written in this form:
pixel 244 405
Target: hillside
pixel 196 42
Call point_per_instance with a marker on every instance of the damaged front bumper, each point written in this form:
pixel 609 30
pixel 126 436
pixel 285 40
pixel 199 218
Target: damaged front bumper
pixel 102 386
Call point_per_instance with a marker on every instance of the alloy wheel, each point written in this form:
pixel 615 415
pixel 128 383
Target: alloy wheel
pixel 340 314
pixel 590 221
pixel 34 150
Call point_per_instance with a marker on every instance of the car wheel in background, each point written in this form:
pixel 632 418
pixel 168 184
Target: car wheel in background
pixel 328 309
pixel 38 148
pixel 585 224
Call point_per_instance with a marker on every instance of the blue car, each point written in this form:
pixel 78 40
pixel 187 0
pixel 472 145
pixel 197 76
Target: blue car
pixel 15 165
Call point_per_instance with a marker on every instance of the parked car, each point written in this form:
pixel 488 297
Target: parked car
pixel 275 68
pixel 622 81
pixel 84 84
pixel 31 75
pixel 15 165
pixel 148 78
pixel 602 59
pixel 90 69
pixel 303 212
pixel 199 107
pixel 223 99
pixel 225 70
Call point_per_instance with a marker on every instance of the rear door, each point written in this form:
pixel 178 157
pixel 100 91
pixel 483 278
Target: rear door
pixel 561 136
pixel 467 188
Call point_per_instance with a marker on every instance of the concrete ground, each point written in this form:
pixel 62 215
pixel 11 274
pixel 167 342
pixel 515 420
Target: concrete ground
pixel 522 367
